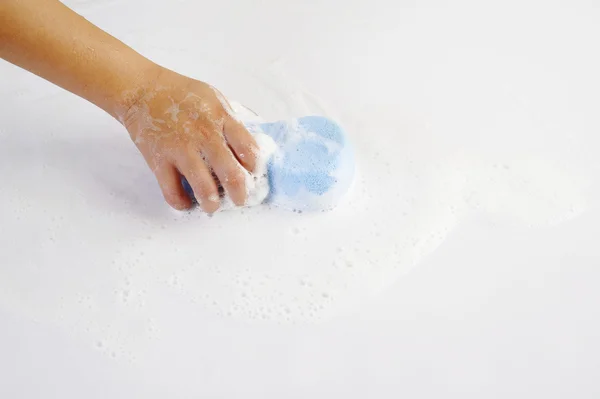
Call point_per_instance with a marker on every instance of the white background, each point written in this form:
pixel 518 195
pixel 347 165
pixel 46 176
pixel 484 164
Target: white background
pixel 497 310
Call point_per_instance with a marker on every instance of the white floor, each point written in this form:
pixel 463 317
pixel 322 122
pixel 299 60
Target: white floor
pixel 465 262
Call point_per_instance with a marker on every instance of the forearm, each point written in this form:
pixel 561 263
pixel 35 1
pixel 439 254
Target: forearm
pixel 51 41
pixel 180 125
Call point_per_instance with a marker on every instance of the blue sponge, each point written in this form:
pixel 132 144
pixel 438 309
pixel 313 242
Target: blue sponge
pixel 312 167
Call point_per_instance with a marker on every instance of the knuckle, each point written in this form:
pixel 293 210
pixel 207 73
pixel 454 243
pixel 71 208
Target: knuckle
pixel 217 109
pixel 188 157
pixel 205 133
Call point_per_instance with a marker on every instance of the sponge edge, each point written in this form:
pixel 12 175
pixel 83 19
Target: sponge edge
pixel 310 168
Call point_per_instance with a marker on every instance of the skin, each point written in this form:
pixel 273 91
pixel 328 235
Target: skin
pixel 180 125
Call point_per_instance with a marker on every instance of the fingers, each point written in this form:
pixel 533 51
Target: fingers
pixel 198 175
pixel 230 173
pixel 223 100
pixel 204 143
pixel 241 142
pixel 170 183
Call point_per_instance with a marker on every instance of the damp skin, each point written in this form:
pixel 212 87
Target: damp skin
pixel 181 126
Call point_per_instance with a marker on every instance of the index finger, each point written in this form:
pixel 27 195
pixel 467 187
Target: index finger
pixel 230 173
pixel 241 142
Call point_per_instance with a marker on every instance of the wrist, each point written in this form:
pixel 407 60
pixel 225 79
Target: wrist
pixel 139 84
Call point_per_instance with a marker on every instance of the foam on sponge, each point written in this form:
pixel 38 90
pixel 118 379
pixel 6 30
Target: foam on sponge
pixel 307 162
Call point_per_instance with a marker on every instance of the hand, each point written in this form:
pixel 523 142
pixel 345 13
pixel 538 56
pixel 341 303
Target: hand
pixel 184 127
pixel 180 125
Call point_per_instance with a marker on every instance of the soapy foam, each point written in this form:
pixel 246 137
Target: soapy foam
pixel 331 260
pixel 257 182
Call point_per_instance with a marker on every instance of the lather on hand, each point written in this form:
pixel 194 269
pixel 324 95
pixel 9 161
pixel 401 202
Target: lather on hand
pixel 180 125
